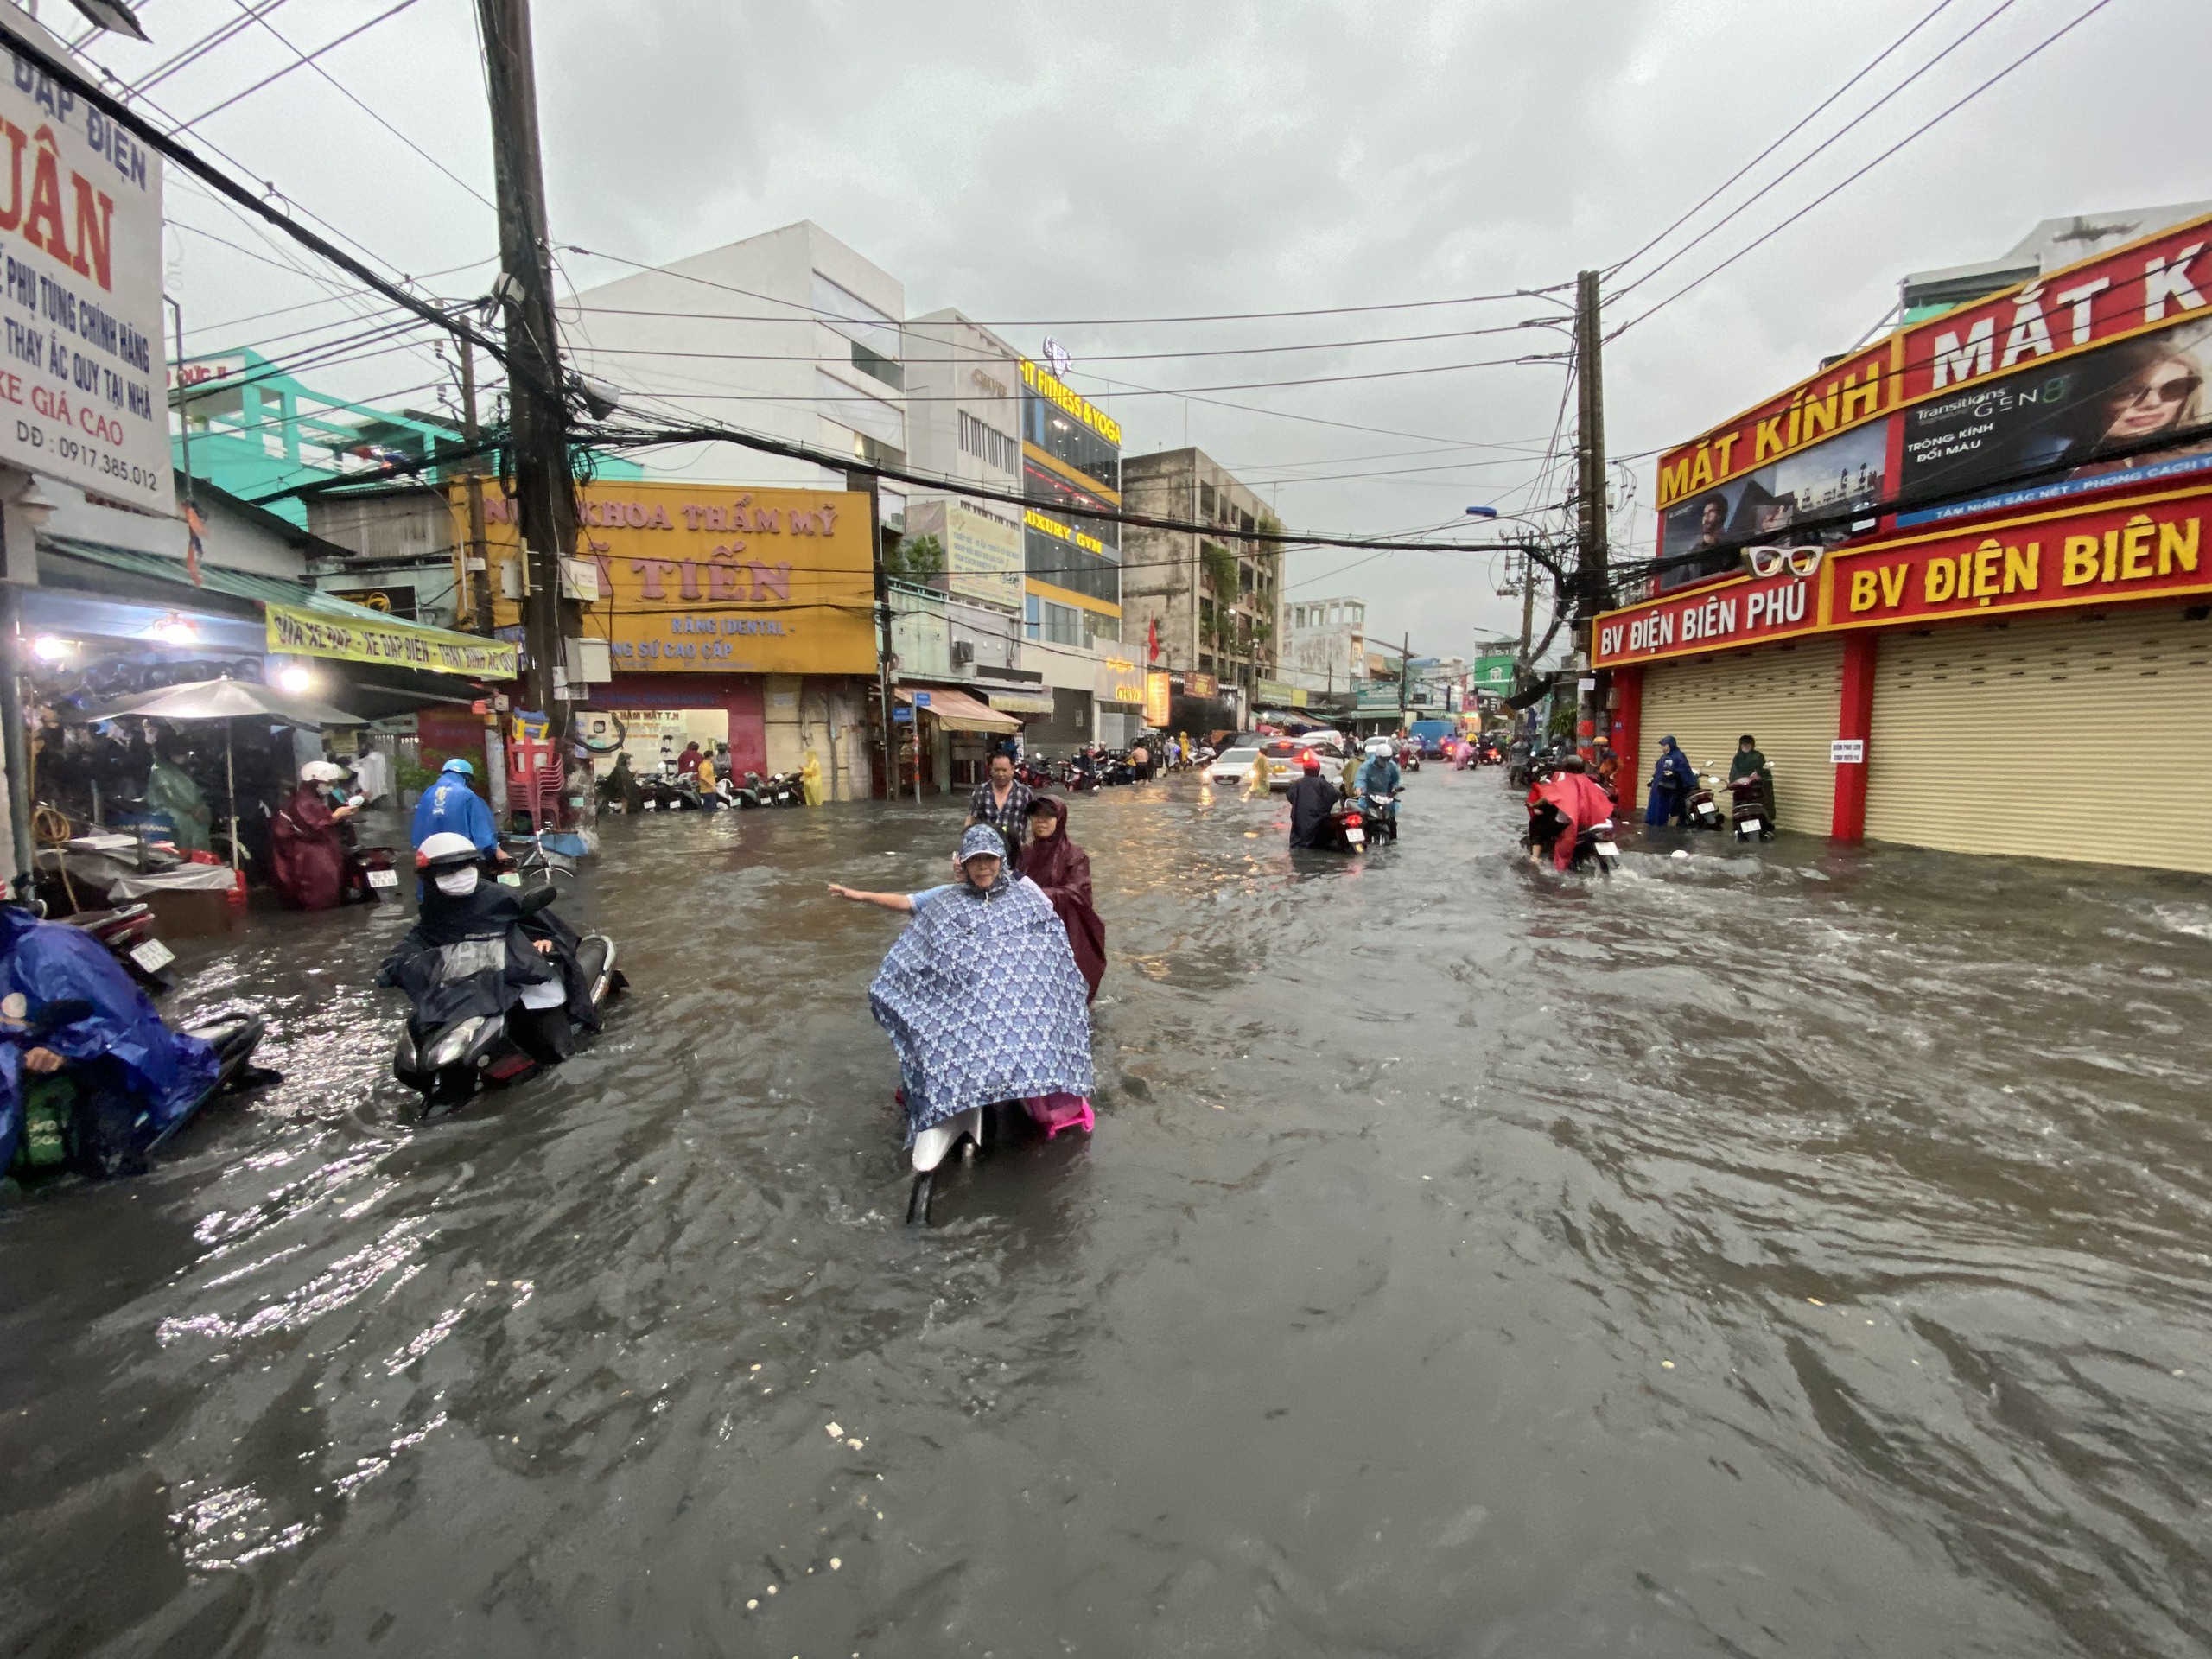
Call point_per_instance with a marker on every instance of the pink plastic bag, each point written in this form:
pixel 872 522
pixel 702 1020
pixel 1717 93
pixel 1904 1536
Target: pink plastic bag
pixel 1053 1113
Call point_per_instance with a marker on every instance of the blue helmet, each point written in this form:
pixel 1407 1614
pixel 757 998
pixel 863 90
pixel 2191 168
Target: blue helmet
pixel 460 766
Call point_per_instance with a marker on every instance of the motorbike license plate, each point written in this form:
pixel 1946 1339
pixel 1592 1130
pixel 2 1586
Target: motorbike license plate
pixel 1608 849
pixel 383 878
pixel 1753 826
pixel 1357 837
pixel 153 955
pixel 650 805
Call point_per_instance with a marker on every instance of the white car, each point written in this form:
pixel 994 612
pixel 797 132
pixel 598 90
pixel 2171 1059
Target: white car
pixel 1286 757
pixel 1231 767
pixel 1381 746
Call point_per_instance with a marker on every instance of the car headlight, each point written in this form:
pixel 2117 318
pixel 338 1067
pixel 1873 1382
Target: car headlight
pixel 454 1046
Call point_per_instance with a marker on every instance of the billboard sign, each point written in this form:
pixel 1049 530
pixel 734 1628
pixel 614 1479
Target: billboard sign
pixel 82 376
pixel 699 578
pixel 2029 379
pixel 983 556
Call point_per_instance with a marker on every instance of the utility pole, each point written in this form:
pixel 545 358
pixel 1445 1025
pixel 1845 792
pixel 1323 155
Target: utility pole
pixel 1405 677
pixel 476 566
pixel 545 495
pixel 886 678
pixel 476 562
pixel 1592 530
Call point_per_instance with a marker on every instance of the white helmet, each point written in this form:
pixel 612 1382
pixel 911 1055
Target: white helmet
pixel 447 850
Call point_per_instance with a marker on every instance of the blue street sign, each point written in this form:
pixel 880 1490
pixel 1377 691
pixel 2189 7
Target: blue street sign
pixel 902 717
pixel 921 699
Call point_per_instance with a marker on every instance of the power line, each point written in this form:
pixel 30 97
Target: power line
pixel 2049 39
pixel 1803 123
pixel 190 54
pixel 302 62
pixel 1994 13
pixel 332 299
pixel 347 92
pixel 1083 322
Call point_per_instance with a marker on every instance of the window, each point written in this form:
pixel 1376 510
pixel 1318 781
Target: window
pixel 1098 627
pixel 988 445
pixel 883 368
pixel 840 308
pixel 1063 624
pixel 1068 441
pixel 1031 623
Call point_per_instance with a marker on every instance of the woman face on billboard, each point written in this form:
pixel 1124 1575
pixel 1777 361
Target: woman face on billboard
pixel 2160 396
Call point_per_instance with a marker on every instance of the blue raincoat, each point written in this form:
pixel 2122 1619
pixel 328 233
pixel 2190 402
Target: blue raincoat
pixel 1672 780
pixel 164 1072
pixel 981 999
pixel 450 804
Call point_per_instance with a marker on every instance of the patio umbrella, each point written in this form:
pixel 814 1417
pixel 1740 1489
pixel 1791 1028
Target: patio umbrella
pixel 223 700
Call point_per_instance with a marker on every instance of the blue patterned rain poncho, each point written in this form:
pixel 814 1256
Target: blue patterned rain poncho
pixel 982 998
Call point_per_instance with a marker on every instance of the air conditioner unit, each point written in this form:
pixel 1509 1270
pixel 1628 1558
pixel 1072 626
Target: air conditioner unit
pixel 963 653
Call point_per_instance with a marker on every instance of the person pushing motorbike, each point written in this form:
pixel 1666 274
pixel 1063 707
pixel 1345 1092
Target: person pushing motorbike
pixel 1312 797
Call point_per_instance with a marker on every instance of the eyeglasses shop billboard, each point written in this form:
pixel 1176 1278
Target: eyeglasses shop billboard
pixel 81 370
pixel 2084 379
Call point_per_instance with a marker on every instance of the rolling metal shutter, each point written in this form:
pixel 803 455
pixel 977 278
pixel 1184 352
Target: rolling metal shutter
pixel 1785 696
pixel 1987 740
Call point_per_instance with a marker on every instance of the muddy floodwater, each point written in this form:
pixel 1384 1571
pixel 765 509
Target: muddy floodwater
pixel 1797 1251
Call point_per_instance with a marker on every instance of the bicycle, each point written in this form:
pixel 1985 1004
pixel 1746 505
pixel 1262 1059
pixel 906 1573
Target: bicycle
pixel 539 860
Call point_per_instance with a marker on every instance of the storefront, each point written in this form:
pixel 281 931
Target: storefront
pixel 1964 690
pixel 726 615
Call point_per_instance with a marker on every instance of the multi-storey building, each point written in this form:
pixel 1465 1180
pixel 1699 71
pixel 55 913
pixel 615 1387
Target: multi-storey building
pixel 1072 621
pixel 1213 601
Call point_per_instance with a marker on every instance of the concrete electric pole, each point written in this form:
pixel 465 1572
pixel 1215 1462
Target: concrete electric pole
pixel 545 495
pixel 1591 526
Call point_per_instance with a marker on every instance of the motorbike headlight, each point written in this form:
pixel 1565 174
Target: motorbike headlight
pixel 453 1045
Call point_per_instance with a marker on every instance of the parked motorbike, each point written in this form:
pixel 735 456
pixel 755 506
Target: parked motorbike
pixel 373 873
pixel 128 933
pixel 1699 810
pixel 1750 818
pixel 784 789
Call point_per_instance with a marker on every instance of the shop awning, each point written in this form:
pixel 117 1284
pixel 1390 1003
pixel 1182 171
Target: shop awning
pixel 1020 703
pixel 302 622
pixel 958 712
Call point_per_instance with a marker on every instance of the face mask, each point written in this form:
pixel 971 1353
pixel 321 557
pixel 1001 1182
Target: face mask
pixel 456 884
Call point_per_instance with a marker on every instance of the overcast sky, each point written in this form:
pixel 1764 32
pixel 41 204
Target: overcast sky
pixel 1045 167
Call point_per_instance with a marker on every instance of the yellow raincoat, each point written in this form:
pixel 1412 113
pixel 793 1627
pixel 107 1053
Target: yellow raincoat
pixel 809 779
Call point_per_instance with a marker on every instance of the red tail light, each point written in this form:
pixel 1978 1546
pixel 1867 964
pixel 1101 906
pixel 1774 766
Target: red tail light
pixel 1352 820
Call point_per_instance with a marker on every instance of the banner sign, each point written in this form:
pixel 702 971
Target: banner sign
pixel 298 632
pixel 697 578
pixel 1159 696
pixel 2152 547
pixel 2100 355
pixel 82 375
pixel 983 556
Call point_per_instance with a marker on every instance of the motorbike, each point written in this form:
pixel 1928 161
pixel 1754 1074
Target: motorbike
pixel 1594 846
pixel 53 1139
pixel 1749 815
pixel 784 789
pixel 373 873
pixel 1378 815
pixel 1699 811
pixel 127 930
pixel 448 1063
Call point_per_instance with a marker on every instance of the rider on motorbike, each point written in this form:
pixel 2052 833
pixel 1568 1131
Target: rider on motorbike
pixel 1311 800
pixel 482 948
pixel 1379 780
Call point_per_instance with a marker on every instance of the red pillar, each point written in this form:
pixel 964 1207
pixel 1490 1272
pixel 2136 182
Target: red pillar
pixel 1854 720
pixel 1627 735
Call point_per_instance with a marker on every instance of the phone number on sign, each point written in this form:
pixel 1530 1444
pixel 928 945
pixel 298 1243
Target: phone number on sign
pixel 68 451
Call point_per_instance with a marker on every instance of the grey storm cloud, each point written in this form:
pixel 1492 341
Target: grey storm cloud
pixel 1050 166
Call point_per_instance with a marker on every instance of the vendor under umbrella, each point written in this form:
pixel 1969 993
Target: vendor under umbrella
pixel 307 857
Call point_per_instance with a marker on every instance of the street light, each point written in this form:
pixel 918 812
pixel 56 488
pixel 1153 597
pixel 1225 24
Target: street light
pixel 1481 513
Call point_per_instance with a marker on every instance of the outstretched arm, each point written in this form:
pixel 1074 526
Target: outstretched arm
pixel 882 901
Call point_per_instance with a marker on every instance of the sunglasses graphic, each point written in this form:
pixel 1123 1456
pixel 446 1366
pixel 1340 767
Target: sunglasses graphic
pixel 1779 561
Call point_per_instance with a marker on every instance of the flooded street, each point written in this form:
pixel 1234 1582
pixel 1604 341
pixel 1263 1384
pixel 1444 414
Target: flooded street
pixel 1791 1251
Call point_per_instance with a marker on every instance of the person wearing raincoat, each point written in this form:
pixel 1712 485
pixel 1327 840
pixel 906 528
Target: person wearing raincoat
pixel 307 857
pixel 1672 780
pixel 1062 872
pixel 67 1004
pixel 982 998
pixel 449 805
pixel 176 798
pixel 809 779
pixel 1574 797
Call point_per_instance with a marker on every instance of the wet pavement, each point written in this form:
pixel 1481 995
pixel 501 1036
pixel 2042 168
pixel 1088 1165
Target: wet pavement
pixel 1794 1251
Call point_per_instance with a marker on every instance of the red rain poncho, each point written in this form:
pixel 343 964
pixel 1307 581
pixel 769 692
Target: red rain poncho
pixel 307 861
pixel 1576 798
